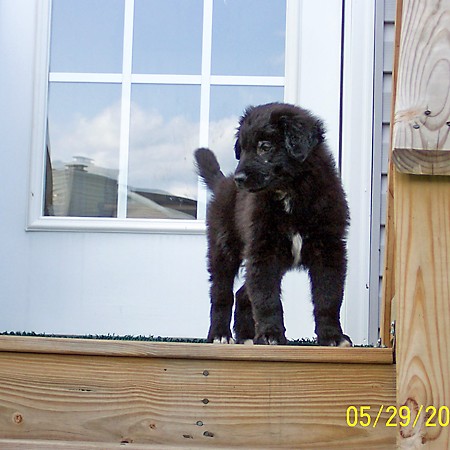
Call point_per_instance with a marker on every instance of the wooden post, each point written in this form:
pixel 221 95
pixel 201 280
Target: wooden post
pixel 423 295
pixel 421 221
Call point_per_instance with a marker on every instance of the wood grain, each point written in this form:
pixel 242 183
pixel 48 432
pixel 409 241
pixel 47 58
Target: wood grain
pixel 418 227
pixel 189 403
pixel 422 107
pixel 15 444
pixel 172 350
pixel 422 218
pixel 422 162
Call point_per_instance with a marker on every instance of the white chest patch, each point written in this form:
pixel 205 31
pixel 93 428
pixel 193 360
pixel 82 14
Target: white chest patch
pixel 296 248
pixel 287 204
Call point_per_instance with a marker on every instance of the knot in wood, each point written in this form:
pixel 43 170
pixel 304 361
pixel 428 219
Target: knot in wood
pixel 17 418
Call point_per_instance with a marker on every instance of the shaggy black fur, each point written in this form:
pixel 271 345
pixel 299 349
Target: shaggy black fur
pixel 283 209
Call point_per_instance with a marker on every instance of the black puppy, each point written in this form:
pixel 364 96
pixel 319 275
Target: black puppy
pixel 285 208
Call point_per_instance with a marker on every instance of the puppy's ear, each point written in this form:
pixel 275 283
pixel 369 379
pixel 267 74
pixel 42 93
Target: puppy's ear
pixel 237 148
pixel 242 119
pixel 301 136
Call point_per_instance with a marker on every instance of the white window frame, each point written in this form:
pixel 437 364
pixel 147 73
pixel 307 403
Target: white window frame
pixel 356 164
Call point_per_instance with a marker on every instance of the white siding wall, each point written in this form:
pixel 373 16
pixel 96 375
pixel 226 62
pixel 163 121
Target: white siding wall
pixel 384 46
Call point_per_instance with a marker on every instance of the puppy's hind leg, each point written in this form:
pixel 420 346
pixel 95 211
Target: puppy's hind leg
pixel 244 324
pixel 222 299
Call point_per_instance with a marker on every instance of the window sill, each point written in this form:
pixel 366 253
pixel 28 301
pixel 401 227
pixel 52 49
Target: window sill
pixel 113 225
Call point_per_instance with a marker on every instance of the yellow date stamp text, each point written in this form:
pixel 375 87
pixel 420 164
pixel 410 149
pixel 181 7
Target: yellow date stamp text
pixel 403 416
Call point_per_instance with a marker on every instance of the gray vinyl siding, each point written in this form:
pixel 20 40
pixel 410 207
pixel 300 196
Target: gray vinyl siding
pixel 384 49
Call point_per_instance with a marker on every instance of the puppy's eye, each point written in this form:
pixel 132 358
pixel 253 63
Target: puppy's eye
pixel 263 147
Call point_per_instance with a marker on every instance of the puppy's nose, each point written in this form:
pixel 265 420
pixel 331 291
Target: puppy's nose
pixel 239 178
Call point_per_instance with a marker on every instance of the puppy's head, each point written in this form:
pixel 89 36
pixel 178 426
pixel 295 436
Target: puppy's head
pixel 272 142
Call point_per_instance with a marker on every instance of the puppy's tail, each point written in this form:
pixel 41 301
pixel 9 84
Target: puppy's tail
pixel 208 167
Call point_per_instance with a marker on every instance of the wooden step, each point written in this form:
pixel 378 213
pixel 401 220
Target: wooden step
pixel 92 394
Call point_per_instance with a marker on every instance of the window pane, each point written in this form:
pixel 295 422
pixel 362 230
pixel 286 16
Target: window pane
pixel 168 36
pixel 227 105
pixel 83 149
pixel 164 132
pixel 248 37
pixel 87 36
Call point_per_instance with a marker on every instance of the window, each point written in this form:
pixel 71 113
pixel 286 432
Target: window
pixel 134 86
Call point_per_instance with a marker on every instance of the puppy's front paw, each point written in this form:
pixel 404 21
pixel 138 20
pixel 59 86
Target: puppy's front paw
pixel 219 334
pixel 270 340
pixel 244 341
pixel 345 341
pixel 270 333
pixel 341 341
pixel 223 340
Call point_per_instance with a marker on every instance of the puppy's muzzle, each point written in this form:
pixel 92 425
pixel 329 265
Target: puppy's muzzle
pixel 251 182
pixel 240 178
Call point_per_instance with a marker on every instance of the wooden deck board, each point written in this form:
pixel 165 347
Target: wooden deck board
pixel 86 394
pixel 99 347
